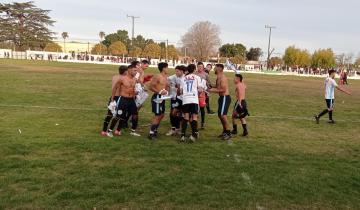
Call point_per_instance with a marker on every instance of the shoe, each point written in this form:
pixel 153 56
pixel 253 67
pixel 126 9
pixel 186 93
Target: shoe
pixel 192 139
pixel 211 112
pixel 103 133
pixel 182 139
pixel 317 119
pixel 245 133
pixel 226 137
pixel 117 133
pixel 234 132
pixel 133 133
pixel 202 127
pixel 331 122
pixel 110 134
pixel 177 132
pixel 152 137
pixel 196 135
pixel 221 135
pixel 171 132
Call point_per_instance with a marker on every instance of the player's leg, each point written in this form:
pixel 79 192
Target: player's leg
pixel 133 111
pixel 172 118
pixel 184 124
pixel 208 109
pixel 158 109
pixel 331 109
pixel 194 122
pixel 107 120
pixel 325 111
pixel 220 103
pixel 202 113
pixel 224 119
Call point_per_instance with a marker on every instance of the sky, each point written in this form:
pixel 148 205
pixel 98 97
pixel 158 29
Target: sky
pixel 308 24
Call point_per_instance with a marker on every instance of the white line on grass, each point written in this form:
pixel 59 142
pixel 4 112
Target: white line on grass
pixel 295 118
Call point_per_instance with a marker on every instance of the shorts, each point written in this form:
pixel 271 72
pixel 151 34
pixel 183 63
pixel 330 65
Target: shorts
pixel 223 105
pixel 240 108
pixel 175 104
pixel 190 108
pixel 157 108
pixel 330 103
pixel 126 107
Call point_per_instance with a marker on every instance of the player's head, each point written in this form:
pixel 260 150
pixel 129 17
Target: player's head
pixel 209 67
pixel 123 69
pixel 144 64
pixel 191 68
pixel 136 63
pixel 163 67
pixel 238 78
pixel 179 70
pixel 332 73
pixel 219 68
pixel 132 70
pixel 200 66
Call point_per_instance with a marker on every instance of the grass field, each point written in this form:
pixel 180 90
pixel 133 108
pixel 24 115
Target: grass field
pixel 59 160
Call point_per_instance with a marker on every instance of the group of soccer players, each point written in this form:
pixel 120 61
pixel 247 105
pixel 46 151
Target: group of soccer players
pixel 188 92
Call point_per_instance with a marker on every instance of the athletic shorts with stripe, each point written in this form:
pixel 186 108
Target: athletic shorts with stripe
pixel 223 105
pixel 330 103
pixel 157 108
pixel 126 107
pixel 240 108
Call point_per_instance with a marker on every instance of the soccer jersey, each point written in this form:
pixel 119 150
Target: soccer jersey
pixel 190 85
pixel 330 85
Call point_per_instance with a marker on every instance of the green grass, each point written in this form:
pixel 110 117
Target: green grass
pixel 287 162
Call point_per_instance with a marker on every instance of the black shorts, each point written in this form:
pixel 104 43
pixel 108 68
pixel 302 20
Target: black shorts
pixel 330 103
pixel 175 104
pixel 240 108
pixel 223 105
pixel 126 107
pixel 157 108
pixel 190 108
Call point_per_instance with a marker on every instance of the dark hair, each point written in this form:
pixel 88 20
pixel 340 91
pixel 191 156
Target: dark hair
pixel 122 69
pixel 162 66
pixel 209 64
pixel 239 76
pixel 181 68
pixel 145 62
pixel 191 68
pixel 200 63
pixel 220 66
pixel 135 63
pixel 331 71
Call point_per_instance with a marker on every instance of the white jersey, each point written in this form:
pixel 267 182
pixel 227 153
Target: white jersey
pixel 174 81
pixel 190 85
pixel 330 85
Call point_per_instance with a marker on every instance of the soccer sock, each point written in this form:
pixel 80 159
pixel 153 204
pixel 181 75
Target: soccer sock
pixel 107 121
pixel 172 121
pixel 113 123
pixel 134 122
pixel 177 121
pixel 194 127
pixel 202 111
pixel 235 127
pixel 153 129
pixel 323 112
pixel 330 115
pixel 184 127
pixel 244 127
pixel 207 104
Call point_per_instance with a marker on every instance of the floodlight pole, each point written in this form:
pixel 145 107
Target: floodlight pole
pixel 133 26
pixel 268 57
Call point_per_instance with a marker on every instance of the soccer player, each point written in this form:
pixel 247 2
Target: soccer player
pixel 240 108
pixel 222 88
pixel 176 100
pixel 158 86
pixel 330 85
pixel 208 109
pixel 126 106
pixel 202 97
pixel 190 87
pixel 109 115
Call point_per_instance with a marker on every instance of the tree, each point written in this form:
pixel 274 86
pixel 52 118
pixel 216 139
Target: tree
pixel 117 48
pixel 202 40
pixel 323 58
pixel 120 35
pixel 99 49
pixel 135 52
pixel 152 51
pixel 173 54
pixel 25 25
pixel 274 61
pixel 238 59
pixel 296 57
pixel 65 35
pixel 52 47
pixel 357 62
pixel 232 50
pixel 139 41
pixel 254 54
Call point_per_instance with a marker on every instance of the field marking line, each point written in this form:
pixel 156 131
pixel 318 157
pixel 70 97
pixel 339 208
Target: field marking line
pixel 104 109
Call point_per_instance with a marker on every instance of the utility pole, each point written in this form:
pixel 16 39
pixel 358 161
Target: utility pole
pixel 269 53
pixel 133 26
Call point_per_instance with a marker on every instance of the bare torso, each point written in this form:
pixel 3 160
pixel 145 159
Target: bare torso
pixel 240 91
pixel 158 83
pixel 127 87
pixel 115 79
pixel 222 83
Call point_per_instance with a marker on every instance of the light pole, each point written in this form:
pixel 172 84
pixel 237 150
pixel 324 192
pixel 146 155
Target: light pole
pixel 133 26
pixel 269 53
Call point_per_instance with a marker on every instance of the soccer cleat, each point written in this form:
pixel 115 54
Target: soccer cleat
pixel 192 139
pixel 182 139
pixel 110 134
pixel 234 132
pixel 221 135
pixel 317 119
pixel 133 133
pixel 202 127
pixel 177 132
pixel 103 133
pixel 226 137
pixel 331 122
pixel 171 132
pixel 117 133
pixel 245 133
pixel 152 137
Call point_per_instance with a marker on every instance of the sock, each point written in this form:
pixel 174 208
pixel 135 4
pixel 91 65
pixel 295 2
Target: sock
pixel 113 123
pixel 202 111
pixel 153 129
pixel 235 127
pixel 330 115
pixel 107 121
pixel 134 122
pixel 228 132
pixel 184 127
pixel 177 121
pixel 323 112
pixel 172 121
pixel 244 127
pixel 194 127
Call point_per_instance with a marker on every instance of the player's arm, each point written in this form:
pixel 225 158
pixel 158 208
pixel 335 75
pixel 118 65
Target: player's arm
pixel 343 90
pixel 221 88
pixel 115 89
pixel 153 82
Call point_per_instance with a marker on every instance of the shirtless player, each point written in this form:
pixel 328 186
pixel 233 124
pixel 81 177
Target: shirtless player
pixel 158 85
pixel 240 108
pixel 126 106
pixel 222 88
